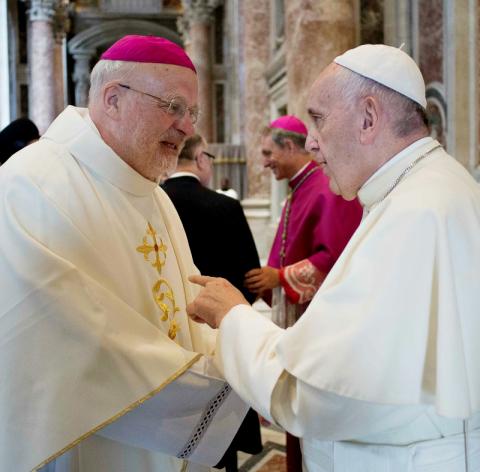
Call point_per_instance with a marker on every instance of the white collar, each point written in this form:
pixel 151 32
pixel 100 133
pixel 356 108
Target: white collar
pixel 76 131
pixel 300 171
pixel 374 189
pixel 183 173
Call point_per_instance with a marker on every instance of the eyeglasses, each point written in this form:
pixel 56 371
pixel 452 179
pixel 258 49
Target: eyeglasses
pixel 211 156
pixel 176 107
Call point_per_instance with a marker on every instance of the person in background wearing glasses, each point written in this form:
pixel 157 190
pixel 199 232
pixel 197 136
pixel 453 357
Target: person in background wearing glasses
pixel 101 368
pixel 222 245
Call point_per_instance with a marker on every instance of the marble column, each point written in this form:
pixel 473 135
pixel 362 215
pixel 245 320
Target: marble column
pixel 315 33
pixel 196 29
pixel 256 15
pixel 41 61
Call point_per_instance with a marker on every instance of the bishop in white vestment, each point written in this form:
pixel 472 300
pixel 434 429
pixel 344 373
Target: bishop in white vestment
pixel 100 368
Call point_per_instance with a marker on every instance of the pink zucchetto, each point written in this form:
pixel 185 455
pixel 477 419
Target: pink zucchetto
pixel 136 48
pixel 289 123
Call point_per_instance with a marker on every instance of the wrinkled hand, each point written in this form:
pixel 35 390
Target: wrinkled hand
pixel 214 301
pixel 259 280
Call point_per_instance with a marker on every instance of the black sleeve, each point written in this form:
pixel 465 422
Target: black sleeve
pixel 244 255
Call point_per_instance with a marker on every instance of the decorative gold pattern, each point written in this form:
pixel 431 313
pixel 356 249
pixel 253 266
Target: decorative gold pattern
pixel 159 249
pixel 154 251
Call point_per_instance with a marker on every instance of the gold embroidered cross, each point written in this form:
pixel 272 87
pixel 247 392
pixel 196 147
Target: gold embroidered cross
pixel 162 291
pixel 160 249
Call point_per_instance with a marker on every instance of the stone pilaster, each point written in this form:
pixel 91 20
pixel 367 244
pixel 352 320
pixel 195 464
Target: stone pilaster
pixel 257 105
pixel 42 101
pixel 81 77
pixel 61 27
pixel 195 26
pixel 316 32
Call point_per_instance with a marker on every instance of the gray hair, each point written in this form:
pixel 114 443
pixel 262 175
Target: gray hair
pixel 106 71
pixel 189 147
pixel 410 116
pixel 279 136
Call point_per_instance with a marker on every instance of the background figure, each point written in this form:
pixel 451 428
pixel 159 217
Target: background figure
pixel 225 188
pixel 18 134
pixel 102 370
pixel 314 227
pixel 382 372
pixel 222 245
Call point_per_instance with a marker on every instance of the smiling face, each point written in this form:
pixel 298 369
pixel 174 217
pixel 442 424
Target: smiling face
pixel 333 135
pixel 151 137
pixel 276 158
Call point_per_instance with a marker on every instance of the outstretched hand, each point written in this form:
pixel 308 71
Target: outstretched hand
pixel 215 300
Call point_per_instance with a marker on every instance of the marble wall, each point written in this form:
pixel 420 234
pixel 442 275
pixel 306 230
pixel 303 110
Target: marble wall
pixel 256 56
pixel 315 33
pixel 431 45
pixel 430 42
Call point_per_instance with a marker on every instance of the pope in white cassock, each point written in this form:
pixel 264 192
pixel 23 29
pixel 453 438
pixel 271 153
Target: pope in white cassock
pixel 382 372
pixel 100 368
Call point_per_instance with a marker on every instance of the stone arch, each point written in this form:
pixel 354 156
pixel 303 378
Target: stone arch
pixel 83 47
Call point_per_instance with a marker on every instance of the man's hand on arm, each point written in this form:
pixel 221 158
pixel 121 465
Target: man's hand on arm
pixel 214 301
pixel 262 279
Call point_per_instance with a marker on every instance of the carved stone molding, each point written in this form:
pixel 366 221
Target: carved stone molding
pixel 199 11
pixel 61 21
pixel 42 10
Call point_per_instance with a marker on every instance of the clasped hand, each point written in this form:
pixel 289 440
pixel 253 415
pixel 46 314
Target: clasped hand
pixel 262 279
pixel 215 300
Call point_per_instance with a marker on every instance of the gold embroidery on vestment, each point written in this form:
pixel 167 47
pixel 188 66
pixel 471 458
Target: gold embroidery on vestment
pixel 162 291
pixel 159 249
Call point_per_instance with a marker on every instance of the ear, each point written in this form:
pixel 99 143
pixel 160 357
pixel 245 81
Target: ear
pixel 370 120
pixel 288 145
pixel 111 100
pixel 200 160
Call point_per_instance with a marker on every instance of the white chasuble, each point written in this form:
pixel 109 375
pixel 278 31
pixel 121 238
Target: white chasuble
pixel 387 352
pixel 101 369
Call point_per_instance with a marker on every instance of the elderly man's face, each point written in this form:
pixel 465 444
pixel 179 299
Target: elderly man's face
pixel 153 136
pixel 275 158
pixel 332 135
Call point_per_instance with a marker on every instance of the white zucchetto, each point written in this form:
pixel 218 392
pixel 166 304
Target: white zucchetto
pixel 388 66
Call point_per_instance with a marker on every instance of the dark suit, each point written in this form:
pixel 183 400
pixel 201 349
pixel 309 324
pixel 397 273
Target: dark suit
pixel 222 246
pixel 218 233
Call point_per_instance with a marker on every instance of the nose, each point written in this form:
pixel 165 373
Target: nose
pixel 185 125
pixel 311 144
